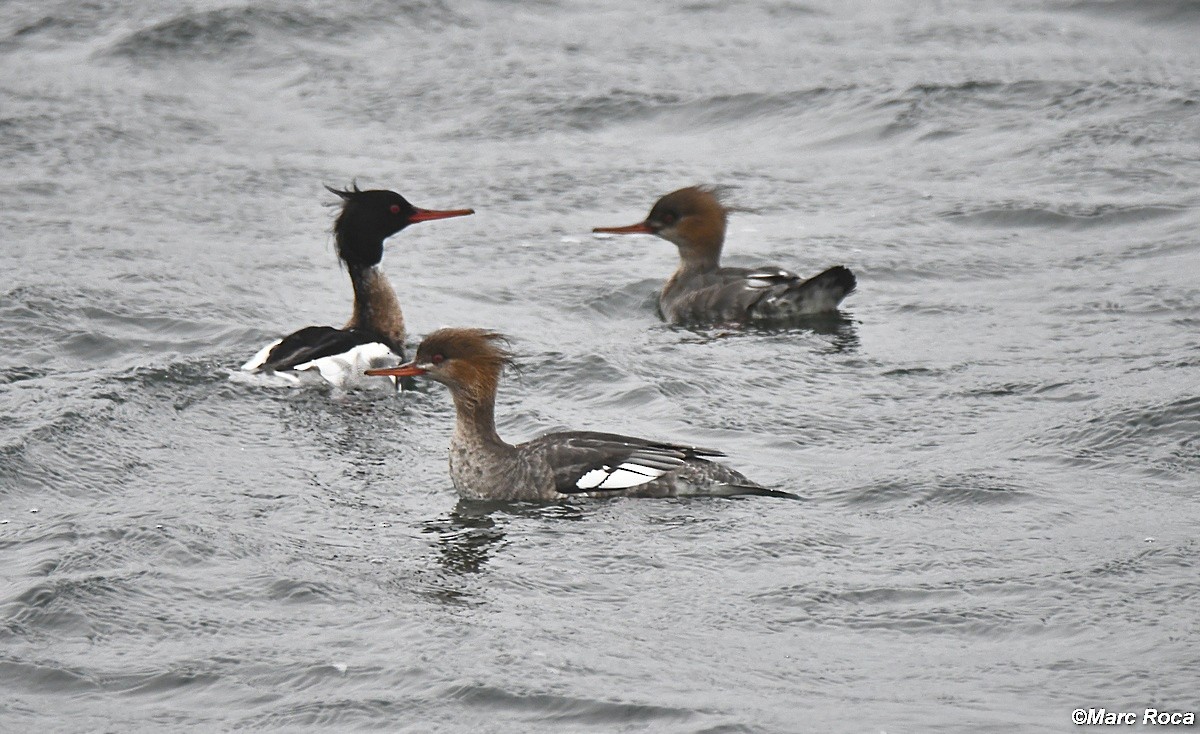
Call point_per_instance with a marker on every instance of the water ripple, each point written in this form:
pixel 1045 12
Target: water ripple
pixel 1161 438
pixel 1043 217
pixel 565 710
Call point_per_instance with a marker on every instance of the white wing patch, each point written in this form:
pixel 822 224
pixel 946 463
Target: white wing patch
pixel 770 274
pixel 622 476
pixel 347 368
pixel 270 378
pixel 258 360
pixel 760 279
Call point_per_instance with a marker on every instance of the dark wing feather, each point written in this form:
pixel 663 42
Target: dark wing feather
pixel 588 461
pixel 755 295
pixel 783 295
pixel 315 342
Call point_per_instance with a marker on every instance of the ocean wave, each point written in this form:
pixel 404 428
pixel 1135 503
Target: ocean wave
pixel 1158 439
pixel 1069 216
pixel 550 708
pixel 936 111
pixel 46 447
pixel 83 605
pixel 213 33
pixel 1158 12
pixel 42 22
pixel 40 678
pixel 622 107
pixel 340 713
pixel 216 32
pixel 959 489
pixel 957 608
pixel 851 113
pixel 96 327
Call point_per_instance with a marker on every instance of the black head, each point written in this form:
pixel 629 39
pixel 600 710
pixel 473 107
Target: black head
pixel 370 217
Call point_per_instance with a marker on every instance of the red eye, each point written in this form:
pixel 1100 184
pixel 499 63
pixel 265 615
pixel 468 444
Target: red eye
pixel 437 358
pixel 395 208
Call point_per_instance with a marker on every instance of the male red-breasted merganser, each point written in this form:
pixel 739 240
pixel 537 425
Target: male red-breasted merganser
pixel 703 292
pixel 557 465
pixel 374 335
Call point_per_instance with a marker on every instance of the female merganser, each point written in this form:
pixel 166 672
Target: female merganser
pixel 554 466
pixel 703 292
pixel 374 335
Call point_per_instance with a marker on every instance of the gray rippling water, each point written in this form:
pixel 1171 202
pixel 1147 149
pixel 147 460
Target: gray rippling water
pixel 996 444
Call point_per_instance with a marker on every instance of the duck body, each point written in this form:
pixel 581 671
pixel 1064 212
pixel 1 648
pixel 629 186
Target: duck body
pixel 702 292
pixel 558 465
pixel 766 296
pixel 335 356
pixel 374 335
pixel 586 463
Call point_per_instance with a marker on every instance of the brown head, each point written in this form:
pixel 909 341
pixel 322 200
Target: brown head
pixel 468 361
pixel 692 218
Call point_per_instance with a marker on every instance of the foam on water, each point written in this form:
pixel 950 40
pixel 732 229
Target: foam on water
pixel 995 442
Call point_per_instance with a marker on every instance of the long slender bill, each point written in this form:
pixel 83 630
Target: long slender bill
pixel 404 370
pixel 639 228
pixel 426 215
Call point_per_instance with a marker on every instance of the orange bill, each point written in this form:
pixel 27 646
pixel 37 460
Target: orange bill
pixel 639 228
pixel 405 370
pixel 425 215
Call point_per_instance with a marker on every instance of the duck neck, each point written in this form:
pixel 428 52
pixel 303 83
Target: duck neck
pixel 376 307
pixel 701 254
pixel 476 422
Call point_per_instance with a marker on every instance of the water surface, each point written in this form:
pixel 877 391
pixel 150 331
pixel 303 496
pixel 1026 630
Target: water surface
pixel 996 446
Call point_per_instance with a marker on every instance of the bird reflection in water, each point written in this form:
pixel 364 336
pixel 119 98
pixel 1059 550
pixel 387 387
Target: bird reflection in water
pixel 841 331
pixel 473 531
